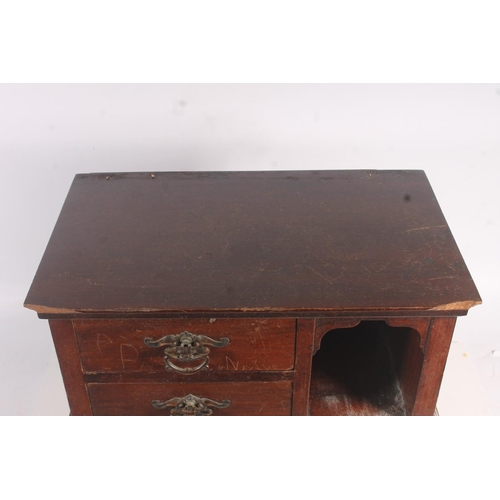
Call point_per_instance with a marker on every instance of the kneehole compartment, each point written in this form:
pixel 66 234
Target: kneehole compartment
pixel 370 369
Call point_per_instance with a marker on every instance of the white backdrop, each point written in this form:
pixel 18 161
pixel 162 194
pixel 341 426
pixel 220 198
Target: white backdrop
pixel 48 133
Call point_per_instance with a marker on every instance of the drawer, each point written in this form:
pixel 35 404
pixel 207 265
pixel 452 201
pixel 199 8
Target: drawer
pixel 241 398
pixel 186 346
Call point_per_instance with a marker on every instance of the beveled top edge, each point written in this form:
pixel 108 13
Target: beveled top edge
pixel 453 309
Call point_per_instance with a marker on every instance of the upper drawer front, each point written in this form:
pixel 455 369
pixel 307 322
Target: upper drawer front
pixel 193 399
pixel 119 345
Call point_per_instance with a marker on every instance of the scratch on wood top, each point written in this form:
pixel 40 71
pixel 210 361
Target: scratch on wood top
pixel 322 276
pixel 423 228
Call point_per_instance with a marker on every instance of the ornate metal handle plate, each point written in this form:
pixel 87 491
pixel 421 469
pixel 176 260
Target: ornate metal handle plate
pixel 190 405
pixel 186 347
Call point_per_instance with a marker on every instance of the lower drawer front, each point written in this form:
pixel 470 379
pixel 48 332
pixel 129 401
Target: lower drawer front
pixel 221 398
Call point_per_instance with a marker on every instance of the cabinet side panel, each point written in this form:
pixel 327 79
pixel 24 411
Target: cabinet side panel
pixel 71 368
pixel 303 363
pixel 436 354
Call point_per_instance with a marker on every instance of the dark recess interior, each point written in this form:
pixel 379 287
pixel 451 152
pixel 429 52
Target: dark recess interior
pixel 370 369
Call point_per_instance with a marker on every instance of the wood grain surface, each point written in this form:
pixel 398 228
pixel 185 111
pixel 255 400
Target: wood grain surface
pixel 247 398
pixel 252 242
pixel 118 345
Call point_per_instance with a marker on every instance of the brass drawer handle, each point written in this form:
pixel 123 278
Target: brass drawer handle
pixel 190 405
pixel 186 347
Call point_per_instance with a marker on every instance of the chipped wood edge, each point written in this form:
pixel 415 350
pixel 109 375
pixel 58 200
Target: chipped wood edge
pixel 457 306
pixel 51 310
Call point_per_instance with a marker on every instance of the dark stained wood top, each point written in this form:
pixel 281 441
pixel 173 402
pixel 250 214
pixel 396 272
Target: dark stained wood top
pixel 243 243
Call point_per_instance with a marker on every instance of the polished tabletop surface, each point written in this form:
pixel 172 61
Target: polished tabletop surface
pixel 275 242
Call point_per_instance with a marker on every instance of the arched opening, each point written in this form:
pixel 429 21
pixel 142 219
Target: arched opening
pixel 370 369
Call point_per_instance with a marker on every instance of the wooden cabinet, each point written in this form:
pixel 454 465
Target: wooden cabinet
pixel 252 293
